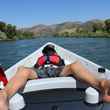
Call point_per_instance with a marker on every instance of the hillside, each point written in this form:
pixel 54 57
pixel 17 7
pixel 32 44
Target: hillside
pixel 73 29
pixel 44 30
pixel 92 28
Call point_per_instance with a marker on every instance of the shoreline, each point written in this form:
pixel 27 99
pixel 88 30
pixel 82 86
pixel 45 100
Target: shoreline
pixel 76 36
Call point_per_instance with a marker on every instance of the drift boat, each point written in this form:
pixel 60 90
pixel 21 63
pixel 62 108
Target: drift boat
pixel 60 93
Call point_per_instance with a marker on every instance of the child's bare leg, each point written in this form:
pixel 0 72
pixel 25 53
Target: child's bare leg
pixel 82 74
pixel 4 103
pixel 17 82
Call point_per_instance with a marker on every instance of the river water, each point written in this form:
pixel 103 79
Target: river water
pixel 94 49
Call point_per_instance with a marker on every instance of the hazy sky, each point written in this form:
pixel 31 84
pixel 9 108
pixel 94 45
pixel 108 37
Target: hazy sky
pixel 25 13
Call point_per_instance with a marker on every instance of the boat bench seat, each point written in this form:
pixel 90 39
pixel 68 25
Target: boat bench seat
pixel 17 101
pixel 49 83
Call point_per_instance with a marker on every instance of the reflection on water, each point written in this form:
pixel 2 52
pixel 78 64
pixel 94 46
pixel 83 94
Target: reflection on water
pixel 94 49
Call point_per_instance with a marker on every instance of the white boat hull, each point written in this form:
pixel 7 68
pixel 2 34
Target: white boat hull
pixel 54 83
pixel 68 56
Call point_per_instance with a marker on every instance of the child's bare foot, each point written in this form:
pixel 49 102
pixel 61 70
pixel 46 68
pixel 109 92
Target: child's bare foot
pixel 105 90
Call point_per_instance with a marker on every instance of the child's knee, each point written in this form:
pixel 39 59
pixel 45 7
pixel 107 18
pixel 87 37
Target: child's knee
pixel 21 68
pixel 22 71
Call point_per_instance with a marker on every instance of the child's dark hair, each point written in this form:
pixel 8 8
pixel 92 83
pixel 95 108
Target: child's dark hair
pixel 48 49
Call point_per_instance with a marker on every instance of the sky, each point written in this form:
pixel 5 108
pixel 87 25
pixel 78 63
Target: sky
pixel 26 13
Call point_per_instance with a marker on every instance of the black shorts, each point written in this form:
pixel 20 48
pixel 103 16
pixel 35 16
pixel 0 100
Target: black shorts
pixel 49 72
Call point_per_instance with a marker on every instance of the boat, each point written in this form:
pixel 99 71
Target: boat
pixel 60 93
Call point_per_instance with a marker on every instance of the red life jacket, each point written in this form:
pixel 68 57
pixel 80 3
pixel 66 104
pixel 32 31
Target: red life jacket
pixel 2 76
pixel 52 59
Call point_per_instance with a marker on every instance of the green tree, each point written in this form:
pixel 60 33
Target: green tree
pixel 107 23
pixel 2 26
pixel 98 25
pixel 11 31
